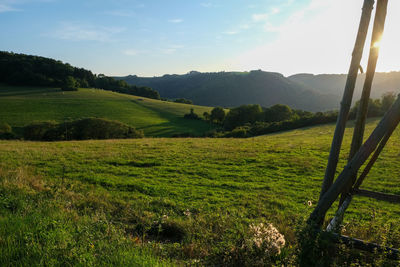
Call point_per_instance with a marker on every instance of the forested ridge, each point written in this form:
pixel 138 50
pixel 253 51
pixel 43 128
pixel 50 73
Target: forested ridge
pixel 27 70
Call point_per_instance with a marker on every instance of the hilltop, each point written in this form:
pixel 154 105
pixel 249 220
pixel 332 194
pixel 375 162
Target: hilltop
pixel 23 105
pixel 334 83
pixel 229 89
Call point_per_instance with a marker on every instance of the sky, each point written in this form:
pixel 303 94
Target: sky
pixel 157 37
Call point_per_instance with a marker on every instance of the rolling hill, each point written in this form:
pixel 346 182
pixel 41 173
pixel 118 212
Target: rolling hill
pixel 229 89
pixel 334 83
pixel 20 106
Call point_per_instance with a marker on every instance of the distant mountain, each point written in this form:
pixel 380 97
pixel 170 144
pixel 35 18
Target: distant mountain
pixel 229 89
pixel 334 83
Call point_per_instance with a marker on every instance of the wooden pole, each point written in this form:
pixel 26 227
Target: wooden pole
pixel 337 220
pixel 347 96
pixel 386 125
pixel 372 160
pixel 358 134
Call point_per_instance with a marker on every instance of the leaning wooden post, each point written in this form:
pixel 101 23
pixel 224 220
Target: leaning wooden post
pixel 385 126
pixel 334 224
pixel 358 134
pixel 347 96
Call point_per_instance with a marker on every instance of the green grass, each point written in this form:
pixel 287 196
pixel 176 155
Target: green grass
pixel 23 105
pixel 142 189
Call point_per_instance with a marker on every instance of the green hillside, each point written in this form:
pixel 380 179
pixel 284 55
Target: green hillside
pixel 20 106
pixel 186 200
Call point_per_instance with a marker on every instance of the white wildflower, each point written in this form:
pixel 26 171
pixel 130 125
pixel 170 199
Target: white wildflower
pixel 268 237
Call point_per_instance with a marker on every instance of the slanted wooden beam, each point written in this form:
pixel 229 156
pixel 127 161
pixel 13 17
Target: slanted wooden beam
pixel 358 134
pixel 378 195
pixel 347 96
pixel 372 160
pixel 337 220
pixel 391 253
pixel 386 125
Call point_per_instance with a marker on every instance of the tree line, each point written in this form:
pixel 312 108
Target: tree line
pixel 27 70
pixel 253 120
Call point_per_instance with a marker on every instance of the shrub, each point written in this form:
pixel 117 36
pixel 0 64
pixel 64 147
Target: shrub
pixel 5 128
pixel 83 129
pixel 39 130
pixel 239 132
pixel 70 84
pixel 183 101
pixel 192 115
pixel 96 128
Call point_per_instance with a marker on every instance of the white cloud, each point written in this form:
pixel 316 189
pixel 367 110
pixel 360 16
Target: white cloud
pixel 259 17
pixel 171 49
pixel 13 5
pixel 275 10
pixel 131 52
pixel 7 8
pixel 175 20
pixel 78 32
pixel 230 32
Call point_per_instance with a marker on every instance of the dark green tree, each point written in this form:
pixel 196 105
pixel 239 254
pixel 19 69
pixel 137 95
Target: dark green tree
pixel 278 113
pixel 241 115
pixel 387 101
pixel 217 115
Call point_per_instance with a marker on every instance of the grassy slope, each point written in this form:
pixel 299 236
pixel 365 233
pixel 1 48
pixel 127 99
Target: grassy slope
pixel 225 183
pixel 21 105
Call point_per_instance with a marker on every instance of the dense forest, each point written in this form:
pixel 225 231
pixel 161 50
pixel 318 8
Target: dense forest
pixel 26 70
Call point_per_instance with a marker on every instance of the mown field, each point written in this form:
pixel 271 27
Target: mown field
pixel 20 106
pixel 179 201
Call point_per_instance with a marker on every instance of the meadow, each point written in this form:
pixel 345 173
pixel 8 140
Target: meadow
pixel 163 201
pixel 23 105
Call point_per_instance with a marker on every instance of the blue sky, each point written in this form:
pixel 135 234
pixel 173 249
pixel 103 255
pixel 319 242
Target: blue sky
pixel 155 37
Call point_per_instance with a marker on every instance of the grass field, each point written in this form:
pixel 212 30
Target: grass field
pixel 175 201
pixel 20 106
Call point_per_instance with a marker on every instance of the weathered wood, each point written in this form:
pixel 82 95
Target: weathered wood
pixel 378 195
pixel 358 134
pixel 337 220
pixel 347 96
pixel 391 253
pixel 373 160
pixel 387 124
pixel 334 224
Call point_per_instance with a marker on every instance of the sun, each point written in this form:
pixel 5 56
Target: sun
pixel 377 44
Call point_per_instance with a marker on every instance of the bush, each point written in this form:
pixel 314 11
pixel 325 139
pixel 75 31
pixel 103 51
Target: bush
pixel 239 132
pixel 5 128
pixel 192 115
pixel 70 84
pixel 39 130
pixel 183 101
pixel 83 129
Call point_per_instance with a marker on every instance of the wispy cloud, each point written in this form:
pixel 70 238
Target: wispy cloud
pixel 131 52
pixel 77 32
pixel 15 5
pixel 230 32
pixel 175 20
pixel 7 8
pixel 259 17
pixel 171 49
